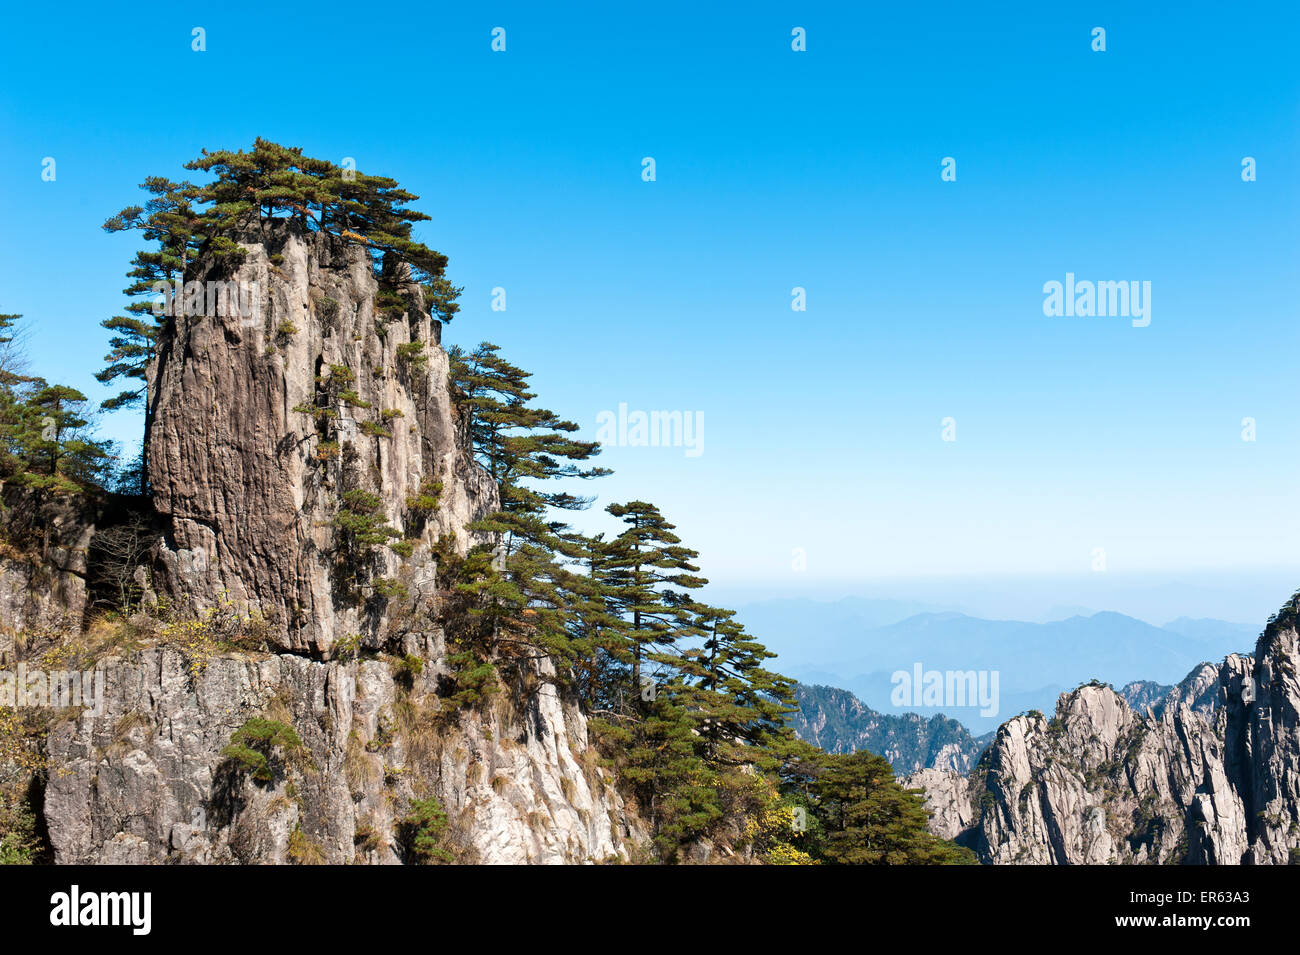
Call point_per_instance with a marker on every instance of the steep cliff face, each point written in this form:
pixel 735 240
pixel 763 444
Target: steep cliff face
pixel 304 457
pixel 947 797
pixel 1211 774
pixel 1263 744
pixel 251 489
pixel 145 781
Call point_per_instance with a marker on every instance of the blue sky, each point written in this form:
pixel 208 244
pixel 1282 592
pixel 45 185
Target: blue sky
pixel 774 169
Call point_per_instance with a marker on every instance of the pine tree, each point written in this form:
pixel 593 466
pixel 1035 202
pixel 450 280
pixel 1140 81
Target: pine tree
pixel 741 707
pixel 54 442
pixel 648 574
pixel 12 360
pixel 522 446
pixel 515 441
pixel 12 400
pixel 868 819
pixel 659 761
pixel 641 611
pixel 601 648
pixel 271 181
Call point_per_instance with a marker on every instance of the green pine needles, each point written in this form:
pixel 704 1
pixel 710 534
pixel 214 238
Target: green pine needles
pixel 425 831
pixel 681 702
pixel 254 744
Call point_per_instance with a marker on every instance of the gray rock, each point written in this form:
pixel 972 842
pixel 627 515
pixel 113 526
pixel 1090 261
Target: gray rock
pixel 238 476
pixel 43 567
pixel 947 798
pixel 145 779
pixel 1211 775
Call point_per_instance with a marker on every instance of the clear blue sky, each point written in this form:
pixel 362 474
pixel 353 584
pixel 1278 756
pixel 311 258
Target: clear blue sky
pixel 775 169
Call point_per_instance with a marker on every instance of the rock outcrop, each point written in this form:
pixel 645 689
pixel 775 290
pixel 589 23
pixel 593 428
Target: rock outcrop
pixel 250 481
pixel 1210 774
pixel 305 458
pixel 947 799
pixel 44 564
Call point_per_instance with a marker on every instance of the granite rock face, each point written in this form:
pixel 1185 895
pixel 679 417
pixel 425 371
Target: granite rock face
pixel 43 565
pixel 947 798
pixel 249 489
pixel 142 778
pixel 1211 775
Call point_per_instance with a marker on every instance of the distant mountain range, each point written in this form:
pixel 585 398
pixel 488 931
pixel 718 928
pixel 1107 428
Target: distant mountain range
pixel 839 722
pixel 858 645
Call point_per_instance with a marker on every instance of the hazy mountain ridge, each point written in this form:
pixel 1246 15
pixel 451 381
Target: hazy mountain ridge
pixel 839 722
pixel 854 645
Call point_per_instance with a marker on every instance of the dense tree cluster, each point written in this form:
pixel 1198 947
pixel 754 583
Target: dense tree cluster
pixel 678 694
pixel 46 443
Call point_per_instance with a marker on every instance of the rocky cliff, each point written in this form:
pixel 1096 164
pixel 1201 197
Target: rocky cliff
pixel 305 457
pixel 1209 774
pixel 44 564
pixel 264 419
pixel 145 780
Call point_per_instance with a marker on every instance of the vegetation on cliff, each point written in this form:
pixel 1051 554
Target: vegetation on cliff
pixel 683 706
pixel 680 700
